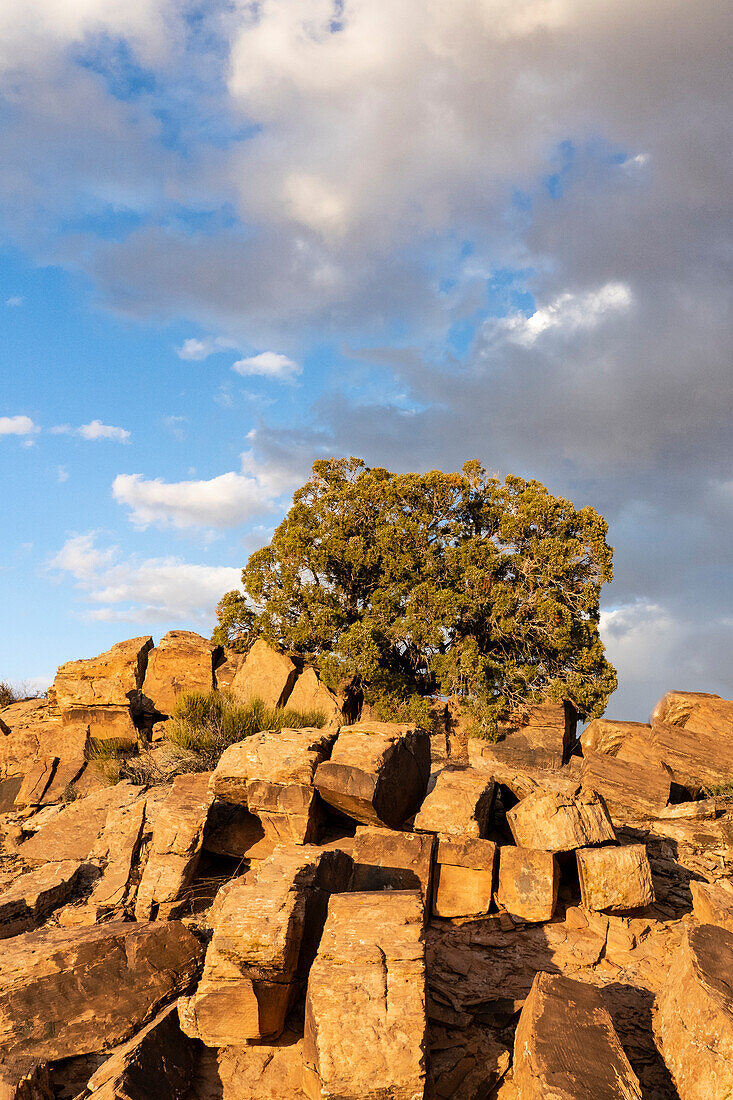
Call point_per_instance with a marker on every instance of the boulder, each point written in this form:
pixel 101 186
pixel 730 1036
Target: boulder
pixel 261 1071
pixel 694 1014
pixel 464 877
pixel 712 903
pixel 227 669
pixel 388 860
pixel 157 1062
pixel 615 879
pixel 566 1048
pixel 73 832
pixel 104 724
pixel 35 782
pixel 365 1021
pixel 117 848
pixel 542 736
pixel 696 757
pixel 377 773
pixel 266 675
pixel 310 694
pixel 460 804
pixel 529 879
pixel 32 731
pixel 175 848
pixel 695 710
pixel 234 832
pixel 272 774
pixel 34 895
pixel 603 735
pixel 265 937
pixel 74 751
pixel 628 790
pixel 113 679
pixel 182 661
pixel 560 823
pixel 69 992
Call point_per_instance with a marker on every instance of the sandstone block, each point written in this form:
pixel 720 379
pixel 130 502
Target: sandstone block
pixel 712 903
pixel 696 757
pixel 528 883
pixel 615 879
pixel 560 823
pixel 605 736
pixel 365 1025
pixel 34 895
pixel 25 1082
pixel 182 661
pixel 65 993
pixel 35 782
pixel 227 669
pixel 388 860
pixel 377 773
pixel 104 723
pixel 694 1015
pixel 566 1047
pixel 266 934
pixel 233 831
pixel 266 675
pixel 73 832
pixel 542 736
pixel 118 848
pixel 310 694
pixel 175 848
pixel 464 877
pixel 113 679
pixel 694 710
pixel 460 804
pixel 157 1062
pixel 628 790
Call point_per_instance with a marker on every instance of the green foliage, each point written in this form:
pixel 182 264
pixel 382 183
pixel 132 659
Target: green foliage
pixel 205 723
pixel 455 584
pixel 7 694
pixel 235 622
pixel 720 790
pixel 108 758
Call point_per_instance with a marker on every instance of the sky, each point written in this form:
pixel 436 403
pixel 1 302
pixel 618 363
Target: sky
pixel 235 237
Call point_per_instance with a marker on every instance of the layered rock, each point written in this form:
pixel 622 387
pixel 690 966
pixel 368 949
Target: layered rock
pixel 157 1062
pixel 566 1046
pixel 36 894
pixel 377 773
pixel 603 735
pixel 117 850
pixel 104 692
pixel 460 804
pixel 365 1026
pixel 65 993
pixel 389 860
pixel 227 669
pixel 628 790
pixel 694 1015
pixel 464 877
pixel 695 710
pixel 75 830
pixel 310 694
pixel 182 661
pixel 615 879
pixel 696 757
pixel 560 823
pixel 528 883
pixel 266 675
pixel 712 903
pixel 265 937
pixel 542 736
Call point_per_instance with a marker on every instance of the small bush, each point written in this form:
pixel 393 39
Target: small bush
pixel 17 693
pixel 721 790
pixel 206 723
pixel 107 757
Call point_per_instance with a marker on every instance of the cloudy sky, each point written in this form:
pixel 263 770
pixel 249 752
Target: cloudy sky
pixel 235 236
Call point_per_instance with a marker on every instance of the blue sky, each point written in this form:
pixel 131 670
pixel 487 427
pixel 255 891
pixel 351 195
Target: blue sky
pixel 236 236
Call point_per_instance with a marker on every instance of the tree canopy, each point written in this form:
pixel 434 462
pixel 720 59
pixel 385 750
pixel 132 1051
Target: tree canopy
pixel 416 585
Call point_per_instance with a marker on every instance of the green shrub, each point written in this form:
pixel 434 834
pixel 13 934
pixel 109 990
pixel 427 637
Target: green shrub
pixel 721 790
pixel 107 757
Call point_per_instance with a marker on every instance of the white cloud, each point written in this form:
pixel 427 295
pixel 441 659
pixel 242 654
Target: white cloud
pixel 17 425
pixel 639 638
pixel 62 474
pixel 97 430
pixel 197 349
pixel 80 557
pixel 15 301
pixel 567 314
pixel 269 364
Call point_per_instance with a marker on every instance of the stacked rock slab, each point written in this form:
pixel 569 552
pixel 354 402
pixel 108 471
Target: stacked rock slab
pixel 560 823
pixel 365 1022
pixel 377 773
pixel 464 877
pixel 104 692
pixel 712 903
pixel 157 1062
pixel 460 804
pixel 182 661
pixel 541 737
pixel 615 879
pixel 529 879
pixel 272 774
pixel 694 1015
pixel 629 790
pixel 388 860
pixel 70 992
pixel 175 848
pixel 265 938
pixel 566 1047
pixel 266 675
pixel 36 894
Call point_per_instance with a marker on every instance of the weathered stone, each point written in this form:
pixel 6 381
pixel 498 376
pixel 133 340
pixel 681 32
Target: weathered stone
pixel 566 1047
pixel 33 731
pixel 118 847
pixel 65 993
pixel 266 675
pixel 113 679
pixel 263 1071
pixel 378 772
pixel 388 860
pixel 182 661
pixel 694 1015
pixel 310 694
pixel 175 848
pixel 9 789
pixel 528 883
pixel 712 903
pixel 628 790
pixel 266 935
pixel 560 823
pixel 694 710
pixel 603 735
pixel 104 723
pixel 227 669
pixel 615 879
pixel 157 1062
pixel 541 736
pixel 365 1025
pixel 696 757
pixel 464 877
pixel 460 804
pixel 73 832
pixel 233 831
pixel 73 760
pixel 24 1082
pixel 36 780
pixel 36 894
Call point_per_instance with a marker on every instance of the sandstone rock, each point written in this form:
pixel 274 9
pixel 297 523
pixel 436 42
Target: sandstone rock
pixel 36 894
pixel 104 723
pixel 606 736
pixel 389 860
pixel 266 675
pixel 365 1027
pixel 35 782
pixel 694 1015
pixel 227 669
pixel 378 772
pixel 712 903
pixel 528 883
pixel 706 809
pixel 460 804
pixel 560 823
pixel 615 879
pixel 9 789
pixel 695 710
pixel 34 731
pixel 65 993
pixel 73 752
pixel 265 938
pixel 628 790
pixel 566 1047
pixel 113 679
pixel 233 831
pixel 117 847
pixel 182 661
pixel 157 1062
pixel 464 877
pixel 309 694
pixel 24 1082
pixel 697 757
pixel 175 849
pixel 261 1071
pixel 73 832
pixel 541 736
